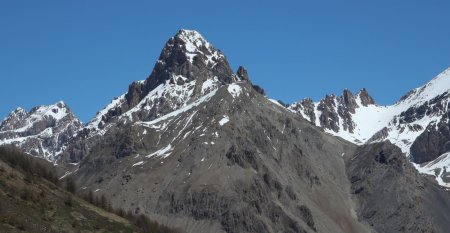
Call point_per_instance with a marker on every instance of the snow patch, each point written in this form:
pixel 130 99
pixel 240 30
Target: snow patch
pixel 209 85
pixel 439 168
pixel 163 152
pixel 275 102
pixel 235 90
pixel 201 100
pixel 224 120
pixel 138 163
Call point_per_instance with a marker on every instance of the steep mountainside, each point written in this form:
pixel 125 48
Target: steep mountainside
pixel 230 162
pixel 417 123
pixel 391 194
pixel 207 152
pixel 188 68
pixel 228 159
pixel 199 147
pixel 44 131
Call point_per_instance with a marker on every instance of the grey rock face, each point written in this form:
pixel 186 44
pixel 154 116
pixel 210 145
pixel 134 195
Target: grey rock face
pixel 242 74
pixel 232 163
pixel 392 196
pixel 433 142
pixel 379 136
pixel 307 107
pixel 348 101
pixel 44 131
pixel 436 106
pixel 329 118
pixel 365 98
pixel 435 139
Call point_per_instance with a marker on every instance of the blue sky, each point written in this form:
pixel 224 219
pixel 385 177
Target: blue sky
pixel 88 52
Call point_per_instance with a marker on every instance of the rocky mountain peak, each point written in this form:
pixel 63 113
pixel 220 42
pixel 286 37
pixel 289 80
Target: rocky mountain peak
pixel 18 110
pixel 44 130
pixel 243 74
pixel 348 100
pixel 188 68
pixel 188 54
pixel 13 118
pixel 335 113
pixel 365 98
pixel 20 117
pixel 193 41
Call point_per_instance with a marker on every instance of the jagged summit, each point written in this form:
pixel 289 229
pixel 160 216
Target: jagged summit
pixel 365 98
pixel 418 123
pixel 188 68
pixel 189 35
pixel 333 107
pixel 17 115
pixel 44 130
pixel 194 42
pixel 16 119
pixel 189 54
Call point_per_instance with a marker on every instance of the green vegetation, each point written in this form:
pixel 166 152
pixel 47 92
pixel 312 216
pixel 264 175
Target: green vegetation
pixel 31 200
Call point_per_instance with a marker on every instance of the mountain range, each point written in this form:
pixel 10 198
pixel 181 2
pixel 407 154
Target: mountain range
pixel 199 147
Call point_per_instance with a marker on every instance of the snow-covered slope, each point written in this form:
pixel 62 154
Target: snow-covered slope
pixel 346 115
pixel 440 168
pixel 358 120
pixel 44 131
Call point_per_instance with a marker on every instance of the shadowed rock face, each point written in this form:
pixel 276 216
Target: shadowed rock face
pixel 435 139
pixel 348 101
pixel 392 196
pixel 365 98
pixel 433 142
